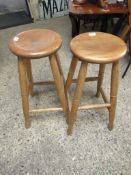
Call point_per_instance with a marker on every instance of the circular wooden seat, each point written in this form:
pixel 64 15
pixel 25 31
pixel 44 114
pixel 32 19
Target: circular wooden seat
pixel 98 47
pixel 35 43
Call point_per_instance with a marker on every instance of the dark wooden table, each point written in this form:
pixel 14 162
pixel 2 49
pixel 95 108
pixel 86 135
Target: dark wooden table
pixel 91 11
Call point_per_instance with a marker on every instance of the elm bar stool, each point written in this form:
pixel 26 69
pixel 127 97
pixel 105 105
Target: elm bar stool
pixel 96 48
pixel 36 44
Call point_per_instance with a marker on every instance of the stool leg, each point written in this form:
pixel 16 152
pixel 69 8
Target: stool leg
pixel 61 72
pixel 30 77
pixel 24 90
pixel 59 65
pixel 59 84
pixel 71 72
pixel 77 96
pixel 113 93
pixel 100 78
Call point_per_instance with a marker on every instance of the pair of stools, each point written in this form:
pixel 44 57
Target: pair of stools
pixel 93 47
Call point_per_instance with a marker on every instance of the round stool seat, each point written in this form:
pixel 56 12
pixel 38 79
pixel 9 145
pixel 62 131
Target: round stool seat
pixel 35 43
pixel 98 47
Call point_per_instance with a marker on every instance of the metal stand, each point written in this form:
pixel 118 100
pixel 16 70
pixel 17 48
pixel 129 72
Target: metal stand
pixel 126 69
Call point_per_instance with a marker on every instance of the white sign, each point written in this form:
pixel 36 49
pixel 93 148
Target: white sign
pixel 52 8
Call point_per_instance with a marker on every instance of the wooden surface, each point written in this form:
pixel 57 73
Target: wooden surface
pixel 113 93
pixel 94 9
pixel 98 47
pixel 59 82
pixel 35 43
pixel 38 43
pixel 24 89
pixel 26 85
pixel 100 78
pixel 77 95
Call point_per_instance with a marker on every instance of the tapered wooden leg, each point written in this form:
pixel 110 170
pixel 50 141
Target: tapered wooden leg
pixel 24 90
pixel 59 64
pixel 59 84
pixel 62 75
pixel 113 93
pixel 71 72
pixel 30 77
pixel 77 96
pixel 100 79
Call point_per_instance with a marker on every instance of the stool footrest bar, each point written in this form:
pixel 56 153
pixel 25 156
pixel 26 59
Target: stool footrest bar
pixel 94 106
pixel 87 79
pixel 43 82
pixel 46 110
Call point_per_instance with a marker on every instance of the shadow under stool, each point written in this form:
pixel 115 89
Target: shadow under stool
pixel 96 48
pixel 36 44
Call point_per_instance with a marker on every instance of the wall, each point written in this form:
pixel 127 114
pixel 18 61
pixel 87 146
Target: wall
pixel 44 9
pixel 53 8
pixel 11 5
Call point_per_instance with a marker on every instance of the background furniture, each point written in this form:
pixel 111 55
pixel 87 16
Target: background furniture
pixel 91 11
pixel 35 44
pixel 126 32
pixel 97 48
pixel 11 16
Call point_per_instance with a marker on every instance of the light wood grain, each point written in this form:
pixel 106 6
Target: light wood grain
pixel 59 84
pixel 100 78
pixel 113 93
pixel 71 72
pixel 35 43
pixel 94 106
pixel 98 47
pixel 77 96
pixel 53 109
pixel 24 90
pixel 30 77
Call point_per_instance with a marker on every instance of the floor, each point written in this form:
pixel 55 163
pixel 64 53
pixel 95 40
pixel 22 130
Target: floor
pixel 45 148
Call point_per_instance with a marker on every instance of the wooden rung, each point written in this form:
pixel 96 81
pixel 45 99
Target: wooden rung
pixel 125 31
pixel 104 96
pixel 73 81
pixel 43 82
pixel 93 106
pixel 87 79
pixel 91 79
pixel 46 110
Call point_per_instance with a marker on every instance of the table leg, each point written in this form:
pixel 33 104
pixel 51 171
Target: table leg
pixel 75 25
pixel 104 25
pixel 118 25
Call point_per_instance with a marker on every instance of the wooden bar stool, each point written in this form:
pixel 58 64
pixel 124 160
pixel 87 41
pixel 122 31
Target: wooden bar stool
pixel 97 48
pixel 35 44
